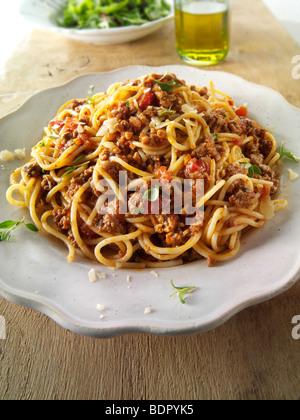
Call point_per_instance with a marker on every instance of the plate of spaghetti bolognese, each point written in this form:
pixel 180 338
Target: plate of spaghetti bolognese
pixel 160 200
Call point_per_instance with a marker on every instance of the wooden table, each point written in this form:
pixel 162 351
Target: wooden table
pixel 253 356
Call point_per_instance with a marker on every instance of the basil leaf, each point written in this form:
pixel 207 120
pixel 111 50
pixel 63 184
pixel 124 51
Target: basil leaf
pixel 252 169
pixel 5 236
pixel 31 227
pixel 8 224
pixel 289 155
pixel 167 86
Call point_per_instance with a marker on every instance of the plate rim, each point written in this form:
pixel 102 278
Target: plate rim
pixel 67 323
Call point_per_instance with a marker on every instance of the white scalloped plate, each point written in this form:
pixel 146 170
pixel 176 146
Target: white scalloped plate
pixel 36 12
pixel 35 273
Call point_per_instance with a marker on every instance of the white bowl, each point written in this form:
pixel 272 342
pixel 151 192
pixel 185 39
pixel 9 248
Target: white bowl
pixel 38 14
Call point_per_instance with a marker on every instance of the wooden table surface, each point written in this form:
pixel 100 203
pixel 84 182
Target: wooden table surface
pixel 253 356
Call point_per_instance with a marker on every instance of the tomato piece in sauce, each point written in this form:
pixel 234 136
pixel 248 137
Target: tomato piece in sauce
pixel 197 167
pixel 146 100
pixel 70 124
pixel 87 232
pixel 164 175
pixel 242 112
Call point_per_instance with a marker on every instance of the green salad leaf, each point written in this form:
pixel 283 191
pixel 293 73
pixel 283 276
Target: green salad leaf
pixel 103 14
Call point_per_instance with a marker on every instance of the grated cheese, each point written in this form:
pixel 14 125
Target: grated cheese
pixel 92 276
pixel 6 156
pixel 267 208
pixel 186 109
pixel 109 126
pixel 157 123
pixel 293 175
pixel 20 153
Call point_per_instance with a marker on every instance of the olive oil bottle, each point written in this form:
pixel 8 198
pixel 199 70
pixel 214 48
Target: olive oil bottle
pixel 202 30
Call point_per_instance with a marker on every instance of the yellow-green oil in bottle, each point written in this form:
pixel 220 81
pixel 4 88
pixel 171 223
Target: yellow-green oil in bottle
pixel 202 31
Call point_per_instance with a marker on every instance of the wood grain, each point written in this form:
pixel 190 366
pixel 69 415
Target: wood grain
pixel 253 356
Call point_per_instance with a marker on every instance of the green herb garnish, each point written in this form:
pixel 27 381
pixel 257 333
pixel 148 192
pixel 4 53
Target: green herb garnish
pixel 8 226
pixel 152 194
pixel 167 86
pixel 42 142
pixel 182 291
pixel 90 95
pixel 70 169
pixel 167 112
pixel 289 155
pixel 252 169
pixel 80 157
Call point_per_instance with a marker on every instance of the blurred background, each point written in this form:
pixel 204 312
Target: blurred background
pixel 13 28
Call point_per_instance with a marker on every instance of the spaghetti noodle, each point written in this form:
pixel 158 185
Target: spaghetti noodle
pixel 155 128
